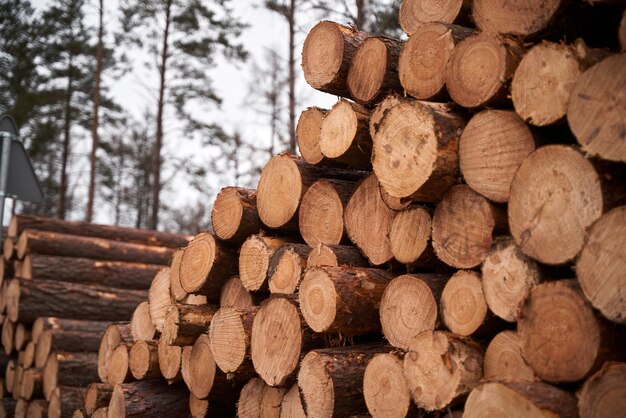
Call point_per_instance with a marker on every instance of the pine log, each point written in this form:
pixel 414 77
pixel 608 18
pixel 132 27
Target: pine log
pixel 385 388
pixel 320 217
pixel 601 263
pixel 101 413
pixel 230 336
pixel 114 335
pixel 22 335
pixel 343 299
pixel 198 407
pixel 206 264
pixel 141 326
pixel 176 288
pixel 54 243
pixel 17 382
pixel 416 149
pixel 118 366
pixel 69 369
pixel 409 237
pixel 373 70
pixel 20 223
pixel 546 228
pixel 9 376
pixel 492 147
pixel 562 339
pixel 271 400
pixel 440 367
pixel 235 295
pixel 409 307
pixel 28 358
pixel 81 414
pixel 291 405
pixel 184 323
pixel 326 56
pixel 504 361
pixel 65 400
pixel 20 408
pixel 594 119
pixel 308 135
pixel 38 408
pixel 368 221
pixel 170 358
pixel 143 360
pixel 249 403
pixel 286 267
pixel 29 299
pixel 480 70
pixel 415 13
pixel 185 366
pixel 97 396
pixel 254 261
pixel 45 323
pixel 122 274
pixel 8 248
pixel 61 340
pixel 512 399
pixel 149 398
pixel 335 255
pixel 330 380
pixel 8 336
pixel 234 216
pixel 32 383
pixel 160 298
pixel 463 227
pixel 424 58
pixel 604 393
pixel 508 276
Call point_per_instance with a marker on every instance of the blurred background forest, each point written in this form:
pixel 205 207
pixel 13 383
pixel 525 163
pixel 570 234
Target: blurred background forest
pixel 136 112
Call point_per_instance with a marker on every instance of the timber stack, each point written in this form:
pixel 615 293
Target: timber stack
pixel 452 238
pixel 62 284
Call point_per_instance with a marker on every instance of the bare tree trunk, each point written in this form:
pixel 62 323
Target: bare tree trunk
pixel 66 139
pixel 361 14
pixel 291 18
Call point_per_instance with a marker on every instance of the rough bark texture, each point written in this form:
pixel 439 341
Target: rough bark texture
pixel 65 400
pixel 149 398
pixel 97 396
pixel 234 215
pixel 45 323
pixel 185 323
pixel 335 255
pixel 61 340
pixel 69 369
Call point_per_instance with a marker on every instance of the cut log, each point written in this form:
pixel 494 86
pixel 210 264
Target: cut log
pixel 45 323
pixel 170 358
pixel 463 227
pixel 61 340
pixel 28 359
pixel 601 262
pixel 30 299
pixel 493 145
pixel 409 237
pixel 424 58
pixel 185 370
pixel 235 295
pixel 409 307
pixel 101 413
pixel 308 135
pixel 335 255
pixel 594 119
pixel 368 221
pixel 118 369
pixel 234 216
pixel 120 274
pixel 544 227
pixel 385 388
pixel 160 298
pixel 9 375
pixel 374 69
pixel 416 150
pixel 20 223
pixel 604 393
pixel 512 399
pixel 343 299
pixel 205 266
pixel 414 13
pixel 17 382
pixel 330 380
pixel 22 336
pixel 69 369
pixel 249 404
pixel 64 401
pixel 463 307
pixel 198 407
pixel 271 400
pixel 184 323
pixel 38 408
pixel 149 398
pixel 328 50
pixel 291 406
pixel 54 243
pixel 143 360
pixel 286 267
pixel 97 396
pixel 8 336
pixel 32 383
pixel 20 408
pixel 114 335
pixel 202 368
pixel 320 217
pixel 230 333
pixel 141 325
pixel 440 367
pixel 504 361
pixel 254 260
pixel 545 77
pixel 480 70
pixel 8 248
pixel 176 289
pixel 508 276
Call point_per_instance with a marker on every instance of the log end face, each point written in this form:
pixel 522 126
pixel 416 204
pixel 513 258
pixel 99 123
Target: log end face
pixel 202 367
pixel 318 299
pixel 413 14
pixel 169 359
pixel 308 134
pixel 367 70
pixel 286 276
pixel 196 262
pixel 254 260
pixel 12 294
pixel 463 303
pixel 141 326
pixel 235 295
pixel 50 375
pixel 322 54
pixel 321 215
pixel 117 366
pixel 117 403
pixel 229 343
pixel 227 213
pixel 316 386
pixel 322 256
pixel 384 387
pixel 339 128
pixel 604 393
pixel 410 234
pixel 497 400
pixel 522 18
pixel 43 348
pixel 249 404
pixel 139 360
pixel 291 406
pixel 279 191
pixel 504 361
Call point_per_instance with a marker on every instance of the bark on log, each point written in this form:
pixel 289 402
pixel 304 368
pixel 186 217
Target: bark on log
pixel 7 407
pixel 326 56
pixel 230 336
pixel 185 323
pixel 170 359
pixel 61 340
pixel 604 393
pixel 235 295
pixel 144 360
pixel 335 255
pixel 65 400
pixel 69 369
pixel 149 398
pixel 308 135
pixel 385 388
pixel 45 323
pixel 343 299
pixel 54 243
pixel 291 406
pixel 409 237
pixel 254 261
pixel 234 216
pixel 415 13
pixel 141 325
pixel 286 267
pixel 504 361
pixel 97 396
pixel 114 335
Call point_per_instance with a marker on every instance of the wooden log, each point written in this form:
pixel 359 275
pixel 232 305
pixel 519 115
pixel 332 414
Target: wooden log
pixel 596 123
pixel 326 56
pixel 198 407
pixel 234 216
pixel 415 13
pixel 32 383
pixel 373 70
pixel 185 366
pixel 508 276
pixel 543 227
pixel 604 393
pixel 409 307
pixel 143 360
pixel 8 248
pixel 54 243
pixel 149 398
pixel 170 358
pixel 17 382
pixel 480 70
pixel 65 400
pixel 424 57
pixel 101 413
pixel 343 299
pixel 114 335
pixel 28 358
pixel 335 255
pixel 230 335
pixel 141 326
pixel 20 223
pixel 286 267
pixel 492 147
pixel 291 406
pixel 176 288
pixel 22 336
pixel 45 323
pixel 20 408
pixel 97 396
pixel 504 361
pixel 330 380
pixel 185 323
pixel 416 150
pixel 600 262
pixel 368 221
pixel 30 299
pixel 235 295
pixel 271 400
pixel 160 298
pixel 122 274
pixel 385 388
pixel 118 366
pixel 409 237
pixel 440 367
pixel 38 408
pixel 8 338
pixel 320 217
pixel 61 340
pixel 69 369
pixel 249 403
pixel 254 261
pixel 463 227
pixel 9 376
pixel 206 264
pixel 308 135
pixel 81 414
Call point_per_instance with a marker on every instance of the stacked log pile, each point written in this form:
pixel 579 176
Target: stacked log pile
pixel 460 254
pixel 62 284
